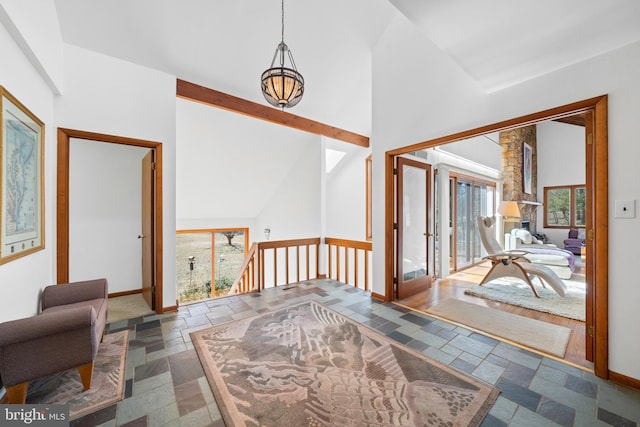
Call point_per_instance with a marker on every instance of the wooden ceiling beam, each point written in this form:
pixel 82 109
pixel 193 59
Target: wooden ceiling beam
pixel 204 95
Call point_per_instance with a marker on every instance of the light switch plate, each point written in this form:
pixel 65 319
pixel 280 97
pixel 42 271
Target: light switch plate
pixel 625 209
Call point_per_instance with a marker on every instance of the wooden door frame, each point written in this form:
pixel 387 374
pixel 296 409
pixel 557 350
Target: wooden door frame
pixel 62 209
pixel 597 187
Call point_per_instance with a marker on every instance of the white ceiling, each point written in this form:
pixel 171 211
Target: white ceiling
pixel 226 45
pixel 500 43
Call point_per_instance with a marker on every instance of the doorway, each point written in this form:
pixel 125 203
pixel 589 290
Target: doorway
pixel 594 111
pixel 150 234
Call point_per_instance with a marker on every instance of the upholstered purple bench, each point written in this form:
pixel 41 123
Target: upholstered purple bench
pixel 65 335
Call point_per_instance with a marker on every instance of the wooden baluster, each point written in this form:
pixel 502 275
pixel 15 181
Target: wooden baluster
pixel 275 267
pixel 355 267
pixel 346 265
pixel 317 259
pixel 286 264
pixel 366 270
pixel 330 256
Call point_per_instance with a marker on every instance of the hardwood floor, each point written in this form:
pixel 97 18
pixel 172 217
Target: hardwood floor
pixel 455 285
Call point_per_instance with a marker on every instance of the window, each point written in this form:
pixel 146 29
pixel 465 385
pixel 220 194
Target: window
pixel 206 257
pixel 469 198
pixel 565 206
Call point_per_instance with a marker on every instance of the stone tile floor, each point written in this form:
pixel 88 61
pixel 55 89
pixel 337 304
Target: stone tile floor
pixel 166 384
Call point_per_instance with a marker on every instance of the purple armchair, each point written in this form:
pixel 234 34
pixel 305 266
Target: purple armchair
pixel 575 241
pixel 65 335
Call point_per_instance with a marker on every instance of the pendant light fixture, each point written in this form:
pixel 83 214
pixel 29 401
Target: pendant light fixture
pixel 282 86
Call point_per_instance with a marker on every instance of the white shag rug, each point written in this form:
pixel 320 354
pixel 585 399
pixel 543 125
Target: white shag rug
pixel 516 292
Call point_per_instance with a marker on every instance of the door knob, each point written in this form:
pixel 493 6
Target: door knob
pixel 140 236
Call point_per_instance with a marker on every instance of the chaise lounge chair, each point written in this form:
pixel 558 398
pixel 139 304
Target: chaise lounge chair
pixel 513 263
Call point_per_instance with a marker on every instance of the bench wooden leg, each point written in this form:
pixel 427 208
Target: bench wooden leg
pixel 18 393
pixel 86 372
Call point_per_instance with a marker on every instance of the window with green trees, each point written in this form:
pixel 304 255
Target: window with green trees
pixel 565 206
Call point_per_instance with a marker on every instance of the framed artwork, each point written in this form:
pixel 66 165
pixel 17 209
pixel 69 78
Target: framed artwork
pixel 22 189
pixel 526 168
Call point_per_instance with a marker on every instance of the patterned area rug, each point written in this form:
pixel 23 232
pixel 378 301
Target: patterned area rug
pixel 107 383
pixel 516 292
pixel 307 365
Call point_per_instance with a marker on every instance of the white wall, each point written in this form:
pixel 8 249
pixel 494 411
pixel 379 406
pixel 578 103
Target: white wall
pixel 101 95
pixel 294 211
pixel 109 96
pixel 21 280
pixel 233 170
pixel 229 165
pixel 105 213
pixel 443 101
pixel 346 197
pixel 561 161
pixel 36 31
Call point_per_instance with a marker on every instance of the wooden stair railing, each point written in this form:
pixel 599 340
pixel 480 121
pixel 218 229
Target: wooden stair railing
pixel 252 277
pixel 287 244
pixel 246 279
pixel 348 260
pixel 342 262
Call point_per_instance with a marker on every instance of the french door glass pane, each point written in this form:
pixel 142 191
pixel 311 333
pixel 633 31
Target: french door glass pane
pixel 436 235
pixel 414 223
pixel 472 200
pixel 464 240
pixel 450 220
pixel 479 208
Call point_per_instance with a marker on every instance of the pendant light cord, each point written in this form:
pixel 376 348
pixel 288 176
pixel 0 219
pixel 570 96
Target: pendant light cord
pixel 282 21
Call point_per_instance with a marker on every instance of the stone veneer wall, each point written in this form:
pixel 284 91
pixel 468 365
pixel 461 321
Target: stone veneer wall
pixel 511 142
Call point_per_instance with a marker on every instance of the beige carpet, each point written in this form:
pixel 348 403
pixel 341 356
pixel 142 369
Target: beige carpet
pixel 551 339
pixel 127 307
pixel 307 365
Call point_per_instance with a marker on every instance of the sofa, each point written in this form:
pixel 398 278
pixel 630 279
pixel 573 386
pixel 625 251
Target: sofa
pixel 575 241
pixel 64 335
pixel 520 237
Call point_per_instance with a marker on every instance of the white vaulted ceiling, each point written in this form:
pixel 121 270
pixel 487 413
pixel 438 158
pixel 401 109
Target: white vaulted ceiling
pixel 226 45
pixel 504 42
